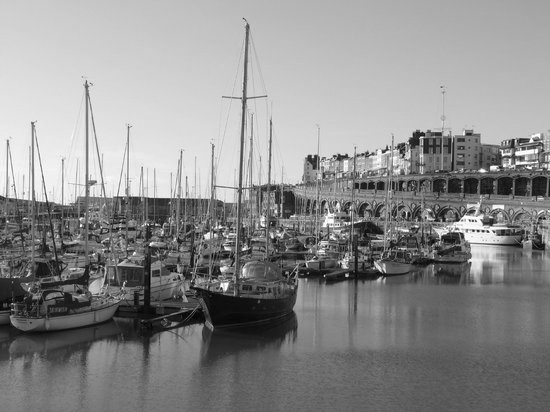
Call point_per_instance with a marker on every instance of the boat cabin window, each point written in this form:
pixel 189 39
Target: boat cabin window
pixel 247 288
pixel 111 277
pixel 132 275
pixel 155 273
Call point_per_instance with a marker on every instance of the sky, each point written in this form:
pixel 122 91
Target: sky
pixel 347 74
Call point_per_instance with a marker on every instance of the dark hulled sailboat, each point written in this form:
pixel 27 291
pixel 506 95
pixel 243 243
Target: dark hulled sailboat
pixel 259 292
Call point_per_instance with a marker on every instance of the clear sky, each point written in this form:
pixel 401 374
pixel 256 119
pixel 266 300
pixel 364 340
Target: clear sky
pixel 361 70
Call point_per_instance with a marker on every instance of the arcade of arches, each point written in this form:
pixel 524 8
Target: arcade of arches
pixel 521 197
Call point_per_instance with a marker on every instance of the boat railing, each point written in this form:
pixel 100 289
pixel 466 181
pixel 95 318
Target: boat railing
pixel 25 309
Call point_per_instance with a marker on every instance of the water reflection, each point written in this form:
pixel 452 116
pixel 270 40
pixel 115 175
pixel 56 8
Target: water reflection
pixel 219 344
pixel 61 345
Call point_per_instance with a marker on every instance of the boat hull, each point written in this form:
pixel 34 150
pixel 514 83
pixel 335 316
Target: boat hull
pixel 224 310
pixel 461 257
pixel 322 264
pixel 5 317
pixel 390 268
pixel 477 239
pixel 94 316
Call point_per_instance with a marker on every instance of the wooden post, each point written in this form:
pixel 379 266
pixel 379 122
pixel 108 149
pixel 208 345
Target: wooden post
pixel 147 285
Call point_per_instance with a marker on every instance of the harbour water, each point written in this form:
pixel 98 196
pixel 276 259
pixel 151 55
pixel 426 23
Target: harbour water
pixel 450 337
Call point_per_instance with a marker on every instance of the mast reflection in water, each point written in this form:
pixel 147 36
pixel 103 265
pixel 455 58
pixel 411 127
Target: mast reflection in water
pixel 472 336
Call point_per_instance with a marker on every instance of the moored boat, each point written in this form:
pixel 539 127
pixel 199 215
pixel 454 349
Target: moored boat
pixel 53 309
pixel 10 292
pixel 127 279
pixel 479 228
pixel 452 248
pixel 259 291
pixel 260 294
pixel 394 262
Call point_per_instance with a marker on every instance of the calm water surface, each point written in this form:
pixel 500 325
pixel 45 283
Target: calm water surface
pixel 454 337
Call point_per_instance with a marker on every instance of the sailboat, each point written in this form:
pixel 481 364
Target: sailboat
pixel 55 309
pixel 393 261
pixel 10 291
pixel 258 292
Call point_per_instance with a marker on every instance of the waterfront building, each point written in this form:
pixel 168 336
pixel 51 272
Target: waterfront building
pixel 467 151
pixel 311 169
pixel 524 152
pixel 435 152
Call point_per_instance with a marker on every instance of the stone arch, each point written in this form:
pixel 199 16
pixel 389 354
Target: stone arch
pixel 425 185
pixel 455 185
pixel 523 216
pixel 542 218
pixel 363 209
pixel 522 186
pixel 371 185
pixel 487 186
pixel 471 185
pixel 538 186
pixel 505 185
pixel 380 185
pixel 500 215
pixel 378 210
pixel 401 211
pixel 347 206
pixel 447 214
pixel 363 185
pixel 440 185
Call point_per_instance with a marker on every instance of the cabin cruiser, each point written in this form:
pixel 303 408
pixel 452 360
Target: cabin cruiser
pixel 452 248
pixel 482 229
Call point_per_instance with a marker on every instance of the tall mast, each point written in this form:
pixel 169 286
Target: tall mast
pixel 267 214
pixel 154 195
pixel 212 197
pixel 178 183
pixel 7 183
pixel 86 177
pixel 250 171
pixel 388 197
pixel 127 183
pixel 62 194
pixel 353 193
pixel 241 155
pixel 317 206
pixel 32 194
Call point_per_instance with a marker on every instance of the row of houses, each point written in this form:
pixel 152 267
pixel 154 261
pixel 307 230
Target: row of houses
pixel 434 151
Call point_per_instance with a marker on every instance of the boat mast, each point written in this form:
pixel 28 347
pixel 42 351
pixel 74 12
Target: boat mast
pixel 7 185
pixel 32 195
pixel 178 202
pixel 353 195
pixel 127 183
pixel 86 182
pixel 317 206
pixel 212 195
pixel 250 172
pixel 241 156
pixel 267 213
pixel 62 198
pixel 387 199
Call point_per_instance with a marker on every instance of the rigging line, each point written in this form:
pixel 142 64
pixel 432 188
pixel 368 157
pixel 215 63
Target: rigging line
pixel 235 82
pixel 48 206
pixel 97 149
pixel 17 213
pixel 253 47
pixel 76 125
